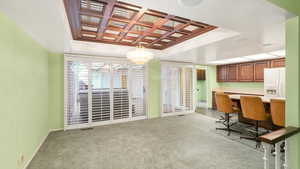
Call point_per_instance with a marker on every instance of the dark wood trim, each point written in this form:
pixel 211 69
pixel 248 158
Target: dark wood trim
pixel 279 135
pixel 132 23
pixel 72 9
pixel 156 26
pixel 108 10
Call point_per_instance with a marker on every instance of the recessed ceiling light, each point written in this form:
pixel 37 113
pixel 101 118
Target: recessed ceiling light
pixel 267 44
pixel 280 53
pixel 189 3
pixel 261 56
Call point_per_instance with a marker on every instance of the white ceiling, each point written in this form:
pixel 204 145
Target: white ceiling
pixel 246 27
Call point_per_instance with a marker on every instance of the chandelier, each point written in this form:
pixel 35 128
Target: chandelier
pixel 139 55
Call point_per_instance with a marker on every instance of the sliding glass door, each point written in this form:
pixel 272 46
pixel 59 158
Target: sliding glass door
pixel 100 92
pixel 177 89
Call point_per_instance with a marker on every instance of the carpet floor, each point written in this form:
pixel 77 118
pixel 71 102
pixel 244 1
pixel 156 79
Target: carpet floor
pixel 178 142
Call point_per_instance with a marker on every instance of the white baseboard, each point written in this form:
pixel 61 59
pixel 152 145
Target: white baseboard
pixel 36 151
pixel 175 114
pixel 53 130
pixel 39 146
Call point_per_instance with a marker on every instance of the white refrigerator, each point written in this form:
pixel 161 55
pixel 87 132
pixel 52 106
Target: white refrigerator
pixel 274 82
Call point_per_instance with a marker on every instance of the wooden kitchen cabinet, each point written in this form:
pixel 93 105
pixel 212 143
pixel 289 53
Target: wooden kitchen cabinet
pixel 246 72
pixel 232 73
pixel 201 74
pixel 222 73
pixel 259 70
pixel 278 63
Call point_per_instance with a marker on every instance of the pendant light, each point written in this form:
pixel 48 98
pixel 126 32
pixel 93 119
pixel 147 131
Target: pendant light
pixel 139 55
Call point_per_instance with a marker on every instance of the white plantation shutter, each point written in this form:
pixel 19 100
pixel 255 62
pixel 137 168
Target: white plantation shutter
pixel 77 108
pixel 138 91
pixel 188 88
pixel 100 92
pixel 177 89
pixel 120 92
pixel 171 88
pixel 101 83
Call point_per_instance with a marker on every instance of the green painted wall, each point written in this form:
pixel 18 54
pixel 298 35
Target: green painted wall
pixel 242 85
pixel 292 6
pixel 154 70
pixel 56 90
pixel 293 92
pixel 23 95
pixel 201 90
pixel 211 83
pixel 293 73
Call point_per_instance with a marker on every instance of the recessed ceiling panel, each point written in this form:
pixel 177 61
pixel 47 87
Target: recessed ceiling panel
pixel 120 23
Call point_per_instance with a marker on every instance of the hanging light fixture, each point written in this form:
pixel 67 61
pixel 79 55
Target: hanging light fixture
pixel 139 55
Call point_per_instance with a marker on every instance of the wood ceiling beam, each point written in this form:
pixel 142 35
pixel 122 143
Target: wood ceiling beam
pixel 115 29
pixel 130 25
pixel 89 24
pixel 109 7
pixel 197 33
pixel 128 6
pixel 89 12
pixel 155 27
pixel 177 28
pixel 72 7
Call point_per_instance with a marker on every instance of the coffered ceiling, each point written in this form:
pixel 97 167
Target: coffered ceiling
pixel 244 28
pixel 120 23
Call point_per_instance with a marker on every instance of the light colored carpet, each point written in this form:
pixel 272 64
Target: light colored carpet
pixel 185 142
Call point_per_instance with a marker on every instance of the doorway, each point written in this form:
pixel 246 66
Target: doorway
pixel 177 89
pixel 201 88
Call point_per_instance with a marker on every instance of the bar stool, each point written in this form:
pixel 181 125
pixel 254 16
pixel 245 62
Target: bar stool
pixel 253 108
pixel 221 118
pixel 224 104
pixel 278 115
pixel 278 112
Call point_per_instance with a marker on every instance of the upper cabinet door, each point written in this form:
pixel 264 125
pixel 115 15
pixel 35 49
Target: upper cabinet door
pixel 222 73
pixel 232 73
pixel 246 72
pixel 278 63
pixel 201 74
pixel 259 68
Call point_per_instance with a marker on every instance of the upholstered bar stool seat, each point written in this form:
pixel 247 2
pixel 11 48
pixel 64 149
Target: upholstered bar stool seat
pixel 253 108
pixel 278 112
pixel 225 105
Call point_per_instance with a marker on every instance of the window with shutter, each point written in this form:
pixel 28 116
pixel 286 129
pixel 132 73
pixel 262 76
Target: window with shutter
pixel 138 91
pixel 77 108
pixel 177 83
pixel 102 92
pixel 120 91
pixel 101 82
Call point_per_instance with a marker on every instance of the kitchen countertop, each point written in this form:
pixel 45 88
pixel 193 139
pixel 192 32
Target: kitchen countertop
pixel 263 98
pixel 240 91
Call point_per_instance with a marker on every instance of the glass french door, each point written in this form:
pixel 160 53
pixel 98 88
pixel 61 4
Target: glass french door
pixel 102 93
pixel 177 89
